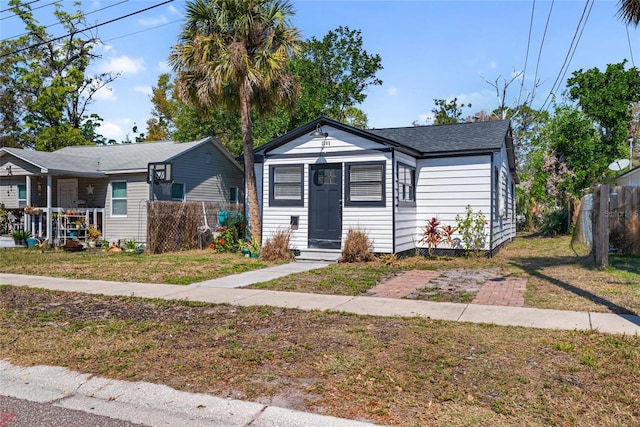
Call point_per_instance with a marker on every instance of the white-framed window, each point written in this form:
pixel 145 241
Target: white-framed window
pixel 286 185
pixel 406 184
pixel 177 192
pixel 119 198
pixel 22 195
pixel 365 184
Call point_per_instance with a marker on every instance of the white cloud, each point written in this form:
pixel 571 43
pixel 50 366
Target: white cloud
pixel 425 119
pixel 123 64
pixel 111 131
pixel 393 91
pixel 143 89
pixel 173 10
pixel 152 22
pixel 105 93
pixel 117 130
pixel 493 65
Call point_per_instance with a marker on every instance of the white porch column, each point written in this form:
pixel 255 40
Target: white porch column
pixel 49 209
pixel 28 226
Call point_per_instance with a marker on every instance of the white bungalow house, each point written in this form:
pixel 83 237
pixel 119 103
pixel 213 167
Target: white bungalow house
pixel 326 177
pixel 107 186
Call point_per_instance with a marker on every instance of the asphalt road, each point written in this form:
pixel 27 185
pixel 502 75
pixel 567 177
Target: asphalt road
pixel 23 413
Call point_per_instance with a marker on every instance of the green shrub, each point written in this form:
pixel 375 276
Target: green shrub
pixel 357 247
pixel 556 223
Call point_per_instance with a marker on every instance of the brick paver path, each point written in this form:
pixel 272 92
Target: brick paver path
pixel 403 284
pixel 499 290
pixel 507 291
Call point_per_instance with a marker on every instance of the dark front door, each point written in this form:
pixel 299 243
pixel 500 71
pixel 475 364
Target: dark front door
pixel 325 206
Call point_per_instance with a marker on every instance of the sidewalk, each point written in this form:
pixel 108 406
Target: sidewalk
pixel 156 405
pixel 224 291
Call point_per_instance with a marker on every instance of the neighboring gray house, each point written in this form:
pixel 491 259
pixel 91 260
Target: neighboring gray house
pixel 107 185
pixel 325 178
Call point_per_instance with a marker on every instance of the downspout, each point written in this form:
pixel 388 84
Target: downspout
pixel 393 200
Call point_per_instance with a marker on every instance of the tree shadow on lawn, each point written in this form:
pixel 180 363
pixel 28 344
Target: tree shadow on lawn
pixel 534 265
pixel 630 263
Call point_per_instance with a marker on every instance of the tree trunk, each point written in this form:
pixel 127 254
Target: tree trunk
pixel 255 218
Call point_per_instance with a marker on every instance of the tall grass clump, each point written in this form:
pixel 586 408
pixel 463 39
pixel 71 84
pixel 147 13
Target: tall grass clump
pixel 276 248
pixel 357 247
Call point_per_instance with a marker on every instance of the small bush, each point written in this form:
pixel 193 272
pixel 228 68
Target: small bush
pixel 357 247
pixel 277 247
pixel 556 223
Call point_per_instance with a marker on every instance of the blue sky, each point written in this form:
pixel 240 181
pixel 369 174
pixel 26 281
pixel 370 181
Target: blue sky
pixel 430 50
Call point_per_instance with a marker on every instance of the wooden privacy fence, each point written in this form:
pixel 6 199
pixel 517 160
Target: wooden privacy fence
pixel 176 226
pixel 616 221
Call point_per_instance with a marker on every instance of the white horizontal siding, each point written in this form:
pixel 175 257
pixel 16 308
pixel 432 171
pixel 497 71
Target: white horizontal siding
pixel 445 186
pixel 336 142
pixel 376 221
pixel 503 226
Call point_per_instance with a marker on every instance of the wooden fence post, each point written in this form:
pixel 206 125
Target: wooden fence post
pixel 601 226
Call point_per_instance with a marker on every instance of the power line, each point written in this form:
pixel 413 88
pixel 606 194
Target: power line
pixel 526 58
pixel 143 31
pixel 26 4
pixel 85 29
pixel 58 23
pixel 572 48
pixel 544 36
pixel 35 8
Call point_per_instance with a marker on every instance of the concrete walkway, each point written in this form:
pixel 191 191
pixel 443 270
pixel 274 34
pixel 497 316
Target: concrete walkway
pixel 155 405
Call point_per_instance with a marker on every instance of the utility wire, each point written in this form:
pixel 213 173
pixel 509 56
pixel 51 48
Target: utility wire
pixel 544 36
pixel 85 29
pixel 58 23
pixel 630 50
pixel 142 31
pixel 11 8
pixel 35 8
pixel 526 58
pixel 572 47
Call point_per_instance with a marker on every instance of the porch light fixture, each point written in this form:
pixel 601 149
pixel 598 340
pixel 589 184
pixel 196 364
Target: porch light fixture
pixel 318 133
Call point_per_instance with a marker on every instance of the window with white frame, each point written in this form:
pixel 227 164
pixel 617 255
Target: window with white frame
pixel 22 195
pixel 119 198
pixel 406 184
pixel 365 184
pixel 177 192
pixel 286 185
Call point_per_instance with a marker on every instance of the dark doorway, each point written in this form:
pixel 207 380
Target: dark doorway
pixel 325 206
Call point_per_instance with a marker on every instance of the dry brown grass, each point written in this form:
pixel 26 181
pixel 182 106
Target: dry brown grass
pixel 357 247
pixel 556 277
pixel 277 247
pixel 392 371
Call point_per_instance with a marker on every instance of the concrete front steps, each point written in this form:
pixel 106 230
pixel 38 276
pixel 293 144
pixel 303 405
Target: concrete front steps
pixel 330 255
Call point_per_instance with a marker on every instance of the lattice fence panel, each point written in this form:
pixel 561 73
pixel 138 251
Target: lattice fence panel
pixel 177 226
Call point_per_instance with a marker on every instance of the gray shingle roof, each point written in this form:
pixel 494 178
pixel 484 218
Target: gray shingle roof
pixel 459 137
pixel 98 160
pixel 121 157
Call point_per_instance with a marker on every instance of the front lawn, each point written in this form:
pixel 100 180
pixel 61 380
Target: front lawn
pixel 392 371
pixel 180 268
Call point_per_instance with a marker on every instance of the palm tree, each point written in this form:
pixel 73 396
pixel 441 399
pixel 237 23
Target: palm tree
pixel 233 53
pixel 629 11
